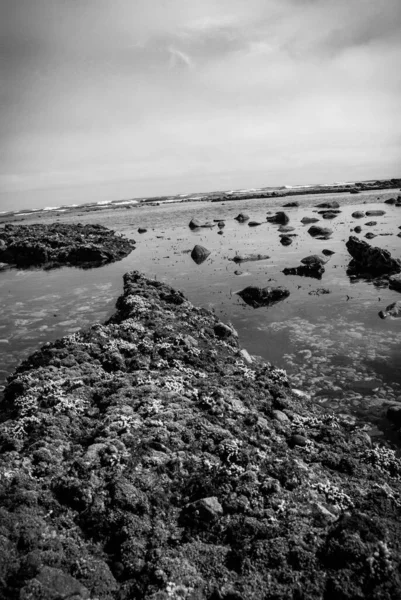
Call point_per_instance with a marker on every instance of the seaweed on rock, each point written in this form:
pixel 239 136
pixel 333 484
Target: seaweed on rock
pixel 150 458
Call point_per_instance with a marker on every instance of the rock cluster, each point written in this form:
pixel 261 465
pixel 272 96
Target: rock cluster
pixel 150 458
pixel 61 244
pixel 366 258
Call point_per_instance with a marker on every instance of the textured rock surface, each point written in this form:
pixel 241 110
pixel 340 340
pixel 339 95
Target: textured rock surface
pixel 60 244
pixel 146 458
pixel 320 232
pixel 199 254
pixel 370 258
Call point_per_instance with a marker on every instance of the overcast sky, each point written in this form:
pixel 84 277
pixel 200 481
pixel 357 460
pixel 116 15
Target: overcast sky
pixel 109 99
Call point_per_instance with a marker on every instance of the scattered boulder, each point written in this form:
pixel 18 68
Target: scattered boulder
pixel 280 218
pixel 221 224
pixel 390 201
pixel 313 259
pixel 327 252
pixel 254 224
pixel 371 223
pixel 257 296
pixel 286 228
pixel 370 235
pixel 392 310
pixel 375 213
pixel 320 232
pixel 285 240
pixel 330 204
pixel 199 254
pixel 142 230
pixel 242 218
pixel 358 214
pixel 195 224
pixel 238 258
pixel 307 220
pixel 358 229
pixel 372 259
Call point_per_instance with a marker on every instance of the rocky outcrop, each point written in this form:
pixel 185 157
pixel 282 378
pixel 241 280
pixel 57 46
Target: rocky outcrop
pixel 281 218
pixel 60 244
pixel 199 254
pixel 257 296
pixel 150 458
pixel 371 259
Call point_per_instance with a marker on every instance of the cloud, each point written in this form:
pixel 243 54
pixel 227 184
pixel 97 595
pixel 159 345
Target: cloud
pixel 179 59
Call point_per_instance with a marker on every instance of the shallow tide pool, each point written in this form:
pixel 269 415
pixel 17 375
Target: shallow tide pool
pixel 333 345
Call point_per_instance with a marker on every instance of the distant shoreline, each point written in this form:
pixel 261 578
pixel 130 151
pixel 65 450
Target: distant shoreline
pixel 220 196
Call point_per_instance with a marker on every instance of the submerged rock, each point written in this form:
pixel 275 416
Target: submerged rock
pixel 372 259
pixel 392 310
pixel 375 213
pixel 61 244
pixel 257 297
pixel 199 254
pixel 358 214
pixel 254 223
pixel 197 224
pixel 312 266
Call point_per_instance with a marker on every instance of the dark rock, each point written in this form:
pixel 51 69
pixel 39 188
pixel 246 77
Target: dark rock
pixel 395 282
pixel 370 235
pixel 60 244
pixel 394 414
pixel 280 218
pixel 358 214
pixel 370 258
pixel 327 252
pixel 358 229
pixel 238 258
pixel 221 232
pixel 285 240
pixel 314 259
pixel 297 440
pixel 291 204
pixel 329 215
pixel 371 223
pixel 307 220
pixel 142 230
pixel 257 297
pixel 375 213
pixel 224 331
pixel 330 204
pixel 321 232
pixel 195 224
pixel 199 254
pixel 392 310
pixel 286 228
pixel 390 201
pixel 354 191
pixel 254 224
pixel 221 224
pixel 242 218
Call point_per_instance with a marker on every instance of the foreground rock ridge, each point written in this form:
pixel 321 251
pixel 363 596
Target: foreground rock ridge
pixel 61 244
pixel 151 458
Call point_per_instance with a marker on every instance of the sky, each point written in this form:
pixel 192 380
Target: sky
pixel 112 99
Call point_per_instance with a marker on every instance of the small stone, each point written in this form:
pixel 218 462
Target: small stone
pixel 297 440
